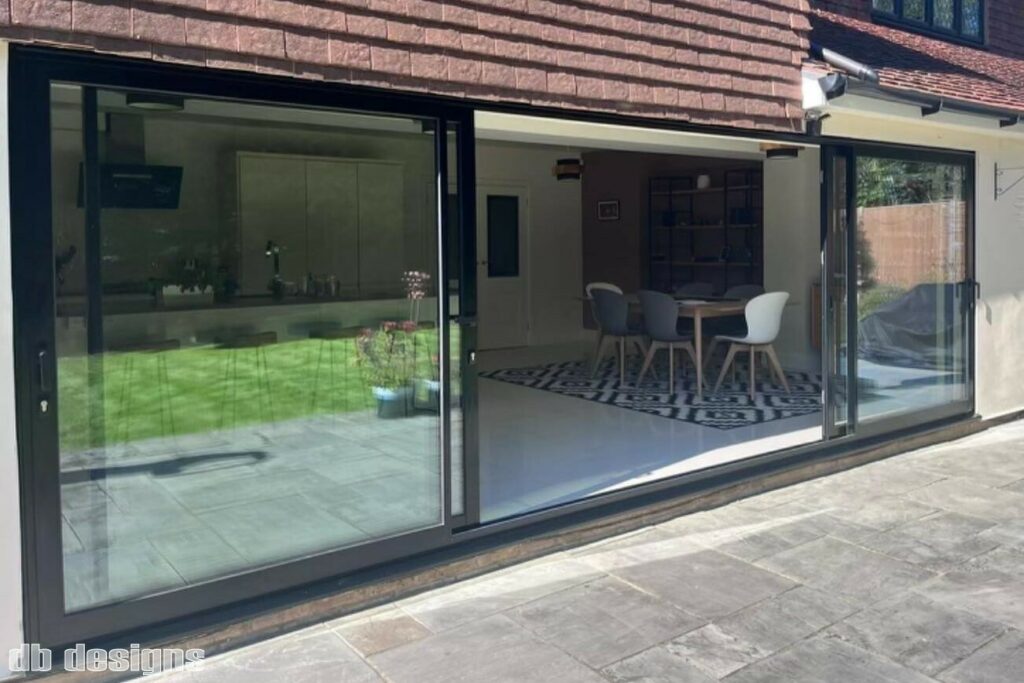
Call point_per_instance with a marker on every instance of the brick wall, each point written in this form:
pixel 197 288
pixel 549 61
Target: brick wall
pixel 1004 21
pixel 732 63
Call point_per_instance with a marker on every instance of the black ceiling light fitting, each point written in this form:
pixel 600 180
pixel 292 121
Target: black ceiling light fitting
pixel 151 101
pixel 780 151
pixel 568 169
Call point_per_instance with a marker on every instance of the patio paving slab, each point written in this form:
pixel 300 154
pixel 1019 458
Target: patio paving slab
pixel 908 570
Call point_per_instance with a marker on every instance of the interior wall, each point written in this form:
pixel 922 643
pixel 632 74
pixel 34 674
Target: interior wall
pixel 616 251
pixel 554 235
pixel 792 250
pixel 999 240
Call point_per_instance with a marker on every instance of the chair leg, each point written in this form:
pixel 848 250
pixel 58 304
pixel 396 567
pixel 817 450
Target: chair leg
pixel 671 369
pixel 733 348
pixel 770 350
pixel 710 350
pixel 691 352
pixel 753 371
pixel 622 360
pixel 651 350
pixel 601 351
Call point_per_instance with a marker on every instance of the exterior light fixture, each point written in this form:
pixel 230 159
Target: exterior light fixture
pixel 154 101
pixel 568 169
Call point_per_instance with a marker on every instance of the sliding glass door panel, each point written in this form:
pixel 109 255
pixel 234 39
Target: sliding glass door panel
pixel 248 337
pixel 912 268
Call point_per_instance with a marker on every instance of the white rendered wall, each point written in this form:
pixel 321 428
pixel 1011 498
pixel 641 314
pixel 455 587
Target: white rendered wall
pixel 792 250
pixel 554 263
pixel 999 239
pixel 10 514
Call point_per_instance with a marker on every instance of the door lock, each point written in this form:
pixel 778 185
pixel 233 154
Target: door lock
pixel 44 405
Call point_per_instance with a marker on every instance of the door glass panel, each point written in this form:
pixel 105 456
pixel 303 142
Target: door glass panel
pixel 247 337
pixel 912 345
pixel 836 293
pixel 502 236
pixel 455 355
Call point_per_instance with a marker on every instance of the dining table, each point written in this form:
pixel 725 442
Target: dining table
pixel 700 309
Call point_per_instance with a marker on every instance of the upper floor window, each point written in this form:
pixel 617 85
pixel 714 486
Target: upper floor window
pixel 959 18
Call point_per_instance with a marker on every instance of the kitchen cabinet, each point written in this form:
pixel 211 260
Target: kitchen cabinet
pixel 340 218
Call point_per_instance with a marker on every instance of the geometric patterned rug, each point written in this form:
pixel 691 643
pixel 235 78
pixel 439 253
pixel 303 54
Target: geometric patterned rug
pixel 730 408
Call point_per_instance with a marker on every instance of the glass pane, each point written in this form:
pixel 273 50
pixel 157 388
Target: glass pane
pixel 837 292
pixel 971 17
pixel 454 265
pixel 502 236
pixel 884 5
pixel 942 14
pixel 248 341
pixel 911 252
pixel 914 9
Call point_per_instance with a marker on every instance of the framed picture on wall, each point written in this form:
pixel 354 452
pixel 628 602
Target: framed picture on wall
pixel 608 210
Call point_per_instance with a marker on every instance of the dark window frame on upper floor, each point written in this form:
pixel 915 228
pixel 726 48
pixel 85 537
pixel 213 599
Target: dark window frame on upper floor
pixel 893 12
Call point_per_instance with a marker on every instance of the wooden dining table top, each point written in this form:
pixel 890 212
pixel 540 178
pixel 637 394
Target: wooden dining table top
pixel 705 306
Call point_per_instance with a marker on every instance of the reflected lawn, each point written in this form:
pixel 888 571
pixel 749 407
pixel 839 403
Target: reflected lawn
pixel 200 389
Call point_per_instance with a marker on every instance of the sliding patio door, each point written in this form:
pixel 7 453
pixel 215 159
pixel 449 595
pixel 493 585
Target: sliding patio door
pixel 233 327
pixel 900 291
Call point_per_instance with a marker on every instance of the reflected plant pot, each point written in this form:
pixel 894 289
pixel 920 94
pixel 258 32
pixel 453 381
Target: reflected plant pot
pixel 393 403
pixel 427 395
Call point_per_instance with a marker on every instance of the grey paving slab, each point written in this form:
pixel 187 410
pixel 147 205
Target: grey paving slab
pixel 988 593
pixel 106 574
pixel 938 542
pixel 289 528
pixel 198 554
pixel 859 575
pixel 714 651
pixel 1008 559
pixel 498 591
pixel 778 622
pixel 107 524
pixel 315 656
pixel 708 584
pixel 381 631
pixel 965 496
pixel 883 512
pixel 917 632
pixel 620 621
pixel 199 493
pixel 492 649
pixel 656 665
pixel 819 660
pixel 999 661
pixel 1017 486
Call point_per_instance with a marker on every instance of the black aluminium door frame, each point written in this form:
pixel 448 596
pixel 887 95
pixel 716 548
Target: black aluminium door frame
pixel 850 151
pixel 31 73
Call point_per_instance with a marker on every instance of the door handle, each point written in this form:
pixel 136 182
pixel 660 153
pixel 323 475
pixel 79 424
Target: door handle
pixel 43 378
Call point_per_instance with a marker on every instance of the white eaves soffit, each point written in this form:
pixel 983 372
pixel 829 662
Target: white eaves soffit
pixel 588 135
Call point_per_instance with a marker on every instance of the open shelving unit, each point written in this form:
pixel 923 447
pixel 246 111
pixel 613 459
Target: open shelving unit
pixel 713 234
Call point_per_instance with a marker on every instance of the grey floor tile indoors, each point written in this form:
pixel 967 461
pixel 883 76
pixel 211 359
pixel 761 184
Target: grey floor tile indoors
pixel 909 569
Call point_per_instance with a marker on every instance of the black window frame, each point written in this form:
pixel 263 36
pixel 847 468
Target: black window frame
pixel 928 27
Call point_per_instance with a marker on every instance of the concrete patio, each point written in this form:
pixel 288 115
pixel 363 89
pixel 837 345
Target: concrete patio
pixel 910 569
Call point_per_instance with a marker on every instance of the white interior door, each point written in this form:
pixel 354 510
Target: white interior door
pixel 503 306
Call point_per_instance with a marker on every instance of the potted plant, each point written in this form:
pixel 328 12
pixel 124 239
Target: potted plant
pixel 386 358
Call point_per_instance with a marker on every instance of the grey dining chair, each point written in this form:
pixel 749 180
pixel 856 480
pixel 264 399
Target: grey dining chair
pixel 590 289
pixel 660 315
pixel 612 313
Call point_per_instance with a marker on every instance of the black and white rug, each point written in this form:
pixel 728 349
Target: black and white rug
pixel 729 408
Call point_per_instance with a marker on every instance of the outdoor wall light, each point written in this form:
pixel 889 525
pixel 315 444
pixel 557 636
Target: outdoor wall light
pixel 154 101
pixel 568 169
